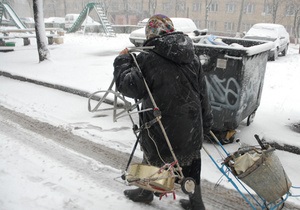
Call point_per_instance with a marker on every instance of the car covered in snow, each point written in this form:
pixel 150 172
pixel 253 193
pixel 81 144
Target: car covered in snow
pixel 271 32
pixel 186 25
pixel 55 22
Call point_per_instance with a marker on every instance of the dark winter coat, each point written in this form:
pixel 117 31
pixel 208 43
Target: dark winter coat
pixel 174 75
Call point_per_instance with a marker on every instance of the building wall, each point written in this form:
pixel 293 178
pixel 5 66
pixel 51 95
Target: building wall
pixel 222 17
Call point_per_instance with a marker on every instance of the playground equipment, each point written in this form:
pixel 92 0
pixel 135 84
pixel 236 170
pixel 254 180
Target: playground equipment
pixel 106 26
pixel 7 8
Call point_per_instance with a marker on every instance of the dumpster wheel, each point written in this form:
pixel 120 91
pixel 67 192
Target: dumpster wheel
pixel 250 118
pixel 224 137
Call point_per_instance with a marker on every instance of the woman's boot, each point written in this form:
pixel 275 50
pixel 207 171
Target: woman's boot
pixel 195 201
pixel 139 195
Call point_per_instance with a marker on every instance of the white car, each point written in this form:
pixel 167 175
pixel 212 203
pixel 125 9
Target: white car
pixel 271 32
pixel 186 25
pixel 55 22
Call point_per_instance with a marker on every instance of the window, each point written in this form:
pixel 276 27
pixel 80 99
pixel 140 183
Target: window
pixel 249 8
pixel 211 25
pixel 246 26
pixel 268 9
pixel 230 7
pixel 115 6
pixel 289 10
pixel 139 6
pixel 181 6
pixel 213 7
pixel 166 7
pixel 198 23
pixel 229 26
pixel 196 7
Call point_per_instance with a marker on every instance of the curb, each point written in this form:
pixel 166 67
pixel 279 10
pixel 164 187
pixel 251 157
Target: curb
pixel 55 86
pixel 283 147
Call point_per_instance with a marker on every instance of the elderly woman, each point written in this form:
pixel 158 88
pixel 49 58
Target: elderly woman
pixel 175 78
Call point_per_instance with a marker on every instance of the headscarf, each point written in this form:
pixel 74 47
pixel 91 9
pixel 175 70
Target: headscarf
pixel 158 25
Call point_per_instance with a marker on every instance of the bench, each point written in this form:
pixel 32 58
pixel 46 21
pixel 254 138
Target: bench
pixel 6 49
pixel 26 40
pixel 54 33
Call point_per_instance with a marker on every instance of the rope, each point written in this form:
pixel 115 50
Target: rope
pixel 158 116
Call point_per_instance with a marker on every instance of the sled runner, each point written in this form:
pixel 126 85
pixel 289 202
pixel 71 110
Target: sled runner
pixel 257 168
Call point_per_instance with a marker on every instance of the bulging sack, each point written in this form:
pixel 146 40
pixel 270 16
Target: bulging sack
pixel 261 170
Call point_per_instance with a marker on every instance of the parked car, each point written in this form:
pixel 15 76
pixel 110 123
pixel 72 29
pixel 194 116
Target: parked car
pixel 186 25
pixel 55 22
pixel 271 32
pixel 89 25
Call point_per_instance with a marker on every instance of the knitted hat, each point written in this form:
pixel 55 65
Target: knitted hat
pixel 158 25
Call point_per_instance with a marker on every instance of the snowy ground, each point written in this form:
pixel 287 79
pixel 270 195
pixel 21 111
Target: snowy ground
pixel 34 180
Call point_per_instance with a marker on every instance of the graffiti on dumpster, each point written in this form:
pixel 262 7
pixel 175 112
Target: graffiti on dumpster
pixel 223 93
pixel 226 93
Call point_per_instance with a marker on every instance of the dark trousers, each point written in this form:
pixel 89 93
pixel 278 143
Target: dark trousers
pixel 193 171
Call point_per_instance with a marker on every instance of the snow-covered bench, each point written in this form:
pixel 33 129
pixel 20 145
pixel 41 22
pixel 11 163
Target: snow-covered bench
pixel 25 34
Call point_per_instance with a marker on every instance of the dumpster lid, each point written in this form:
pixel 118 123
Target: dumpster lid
pixel 237 45
pixel 260 48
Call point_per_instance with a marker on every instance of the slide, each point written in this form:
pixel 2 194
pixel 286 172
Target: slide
pixel 81 18
pixel 14 16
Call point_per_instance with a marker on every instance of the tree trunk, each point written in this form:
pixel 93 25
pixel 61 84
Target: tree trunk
pixel 65 7
pixel 275 10
pixel 40 30
pixel 240 16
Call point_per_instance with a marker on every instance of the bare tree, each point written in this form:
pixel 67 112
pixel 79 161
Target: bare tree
pixel 40 30
pixel 152 7
pixel 126 10
pixel 275 7
pixel 295 4
pixel 65 7
pixel 207 5
pixel 240 16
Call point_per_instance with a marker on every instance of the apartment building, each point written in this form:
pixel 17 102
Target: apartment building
pixel 226 17
pixel 218 16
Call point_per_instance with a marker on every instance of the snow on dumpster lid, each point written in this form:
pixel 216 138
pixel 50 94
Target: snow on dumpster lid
pixel 259 48
pixel 243 46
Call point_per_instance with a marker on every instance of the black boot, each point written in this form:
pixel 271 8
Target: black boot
pixel 185 204
pixel 195 201
pixel 139 195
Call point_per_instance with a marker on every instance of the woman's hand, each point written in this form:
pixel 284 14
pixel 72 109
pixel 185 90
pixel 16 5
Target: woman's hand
pixel 123 52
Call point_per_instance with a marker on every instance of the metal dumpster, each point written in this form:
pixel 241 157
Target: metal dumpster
pixel 235 74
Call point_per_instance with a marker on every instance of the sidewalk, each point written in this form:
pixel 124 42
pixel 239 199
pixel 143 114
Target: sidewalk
pixel 83 65
pixel 279 146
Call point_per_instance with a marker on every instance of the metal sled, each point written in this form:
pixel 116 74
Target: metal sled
pixel 157 179
pixel 264 174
